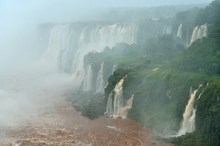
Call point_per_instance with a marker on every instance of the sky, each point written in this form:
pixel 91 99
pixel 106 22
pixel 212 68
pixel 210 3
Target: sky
pixel 18 16
pixel 17 34
pixel 132 3
pixel 99 3
pixel 41 10
pixel 19 12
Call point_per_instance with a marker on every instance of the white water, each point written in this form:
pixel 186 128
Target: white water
pixel 118 98
pixel 113 127
pixel 199 96
pixel 124 110
pixel 180 31
pixel 59 40
pixel 199 32
pixel 109 107
pixel 166 30
pixel 87 84
pixel 69 57
pixel 155 69
pixel 100 80
pixel 188 123
pixel 115 106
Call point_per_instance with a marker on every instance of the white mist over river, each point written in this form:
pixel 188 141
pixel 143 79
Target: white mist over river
pixel 42 50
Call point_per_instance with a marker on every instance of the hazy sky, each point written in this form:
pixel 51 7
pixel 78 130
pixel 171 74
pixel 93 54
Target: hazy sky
pixel 130 3
pixel 98 3
pixel 15 14
pixel 20 10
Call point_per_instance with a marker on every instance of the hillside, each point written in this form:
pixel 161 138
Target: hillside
pixel 161 72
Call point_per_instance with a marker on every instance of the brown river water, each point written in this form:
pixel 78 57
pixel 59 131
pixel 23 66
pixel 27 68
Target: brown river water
pixel 59 124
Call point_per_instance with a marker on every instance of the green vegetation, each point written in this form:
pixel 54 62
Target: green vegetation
pixel 160 72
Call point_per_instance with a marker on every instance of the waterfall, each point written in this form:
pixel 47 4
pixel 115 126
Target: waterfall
pixel 59 43
pixel 109 107
pixel 180 31
pixel 87 84
pixel 199 32
pixel 99 80
pixel 124 110
pixel 204 30
pixel 166 30
pixel 194 34
pixel 188 123
pixel 118 98
pixel 68 44
pixel 115 104
pixel 96 39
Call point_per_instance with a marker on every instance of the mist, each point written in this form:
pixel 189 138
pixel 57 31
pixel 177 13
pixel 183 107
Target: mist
pixel 52 51
pixel 23 79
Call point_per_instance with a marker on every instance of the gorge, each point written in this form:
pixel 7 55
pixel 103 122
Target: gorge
pixel 150 80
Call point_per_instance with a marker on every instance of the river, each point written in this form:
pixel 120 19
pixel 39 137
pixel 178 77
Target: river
pixel 59 124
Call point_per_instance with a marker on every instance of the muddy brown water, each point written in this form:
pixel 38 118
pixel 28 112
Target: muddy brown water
pixel 59 124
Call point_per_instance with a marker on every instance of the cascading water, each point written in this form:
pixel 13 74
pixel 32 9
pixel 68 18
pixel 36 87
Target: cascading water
pixel 118 98
pixel 100 81
pixel 199 32
pixel 204 30
pixel 96 39
pixel 124 110
pixel 194 35
pixel 180 31
pixel 68 45
pixel 188 123
pixel 115 106
pixel 109 107
pixel 166 30
pixel 59 43
pixel 87 84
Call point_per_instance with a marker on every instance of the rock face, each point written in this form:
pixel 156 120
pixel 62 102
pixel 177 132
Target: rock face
pixel 115 105
pixel 69 44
